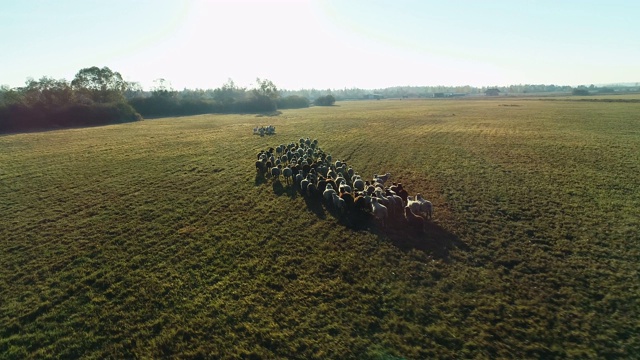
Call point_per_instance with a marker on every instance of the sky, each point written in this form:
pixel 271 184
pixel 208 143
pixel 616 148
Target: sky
pixel 304 44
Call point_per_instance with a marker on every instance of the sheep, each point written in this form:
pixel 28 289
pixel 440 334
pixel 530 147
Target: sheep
pixel 287 173
pixel 343 187
pixel 379 211
pixel 413 204
pixel 304 184
pixel 350 172
pixel 382 199
pixel 322 185
pixel 276 171
pixel 358 183
pixel 332 182
pixel 348 200
pixel 361 203
pixel 306 167
pixel 299 177
pixel 398 189
pixel 322 169
pixel 369 189
pixel 311 189
pixel 381 178
pixel 426 206
pixel 397 201
pixel 338 203
pixel 414 221
pixel 328 192
pixel 261 167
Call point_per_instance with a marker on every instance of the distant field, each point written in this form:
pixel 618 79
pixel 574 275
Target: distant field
pixel 153 239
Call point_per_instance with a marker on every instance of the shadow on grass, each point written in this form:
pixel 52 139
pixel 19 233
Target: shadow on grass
pixel 270 113
pixel 283 189
pixel 260 179
pixel 434 239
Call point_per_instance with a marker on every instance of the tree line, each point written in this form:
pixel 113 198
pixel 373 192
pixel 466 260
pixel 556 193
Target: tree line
pixel 93 97
pixel 100 96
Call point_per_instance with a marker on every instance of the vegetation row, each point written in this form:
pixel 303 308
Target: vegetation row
pixel 99 96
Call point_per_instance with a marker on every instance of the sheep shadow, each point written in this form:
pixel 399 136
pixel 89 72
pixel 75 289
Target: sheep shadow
pixel 260 179
pixel 434 239
pixel 315 206
pixel 279 189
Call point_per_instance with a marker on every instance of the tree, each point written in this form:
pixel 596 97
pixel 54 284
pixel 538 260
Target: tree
pixel 580 92
pixel 101 85
pixel 133 90
pixel 48 93
pixel 163 89
pixel 292 102
pixel 326 100
pixel 10 96
pixel 267 88
pixel 227 94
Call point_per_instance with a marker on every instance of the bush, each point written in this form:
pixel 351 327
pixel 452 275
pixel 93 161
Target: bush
pixel 155 106
pixel 96 114
pixel 254 104
pixel 18 117
pixel 198 106
pixel 580 92
pixel 326 100
pixel 293 102
pixel 23 118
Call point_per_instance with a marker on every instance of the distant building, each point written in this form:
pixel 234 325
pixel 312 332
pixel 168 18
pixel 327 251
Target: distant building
pixel 492 92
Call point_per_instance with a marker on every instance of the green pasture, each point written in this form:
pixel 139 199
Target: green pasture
pixel 156 239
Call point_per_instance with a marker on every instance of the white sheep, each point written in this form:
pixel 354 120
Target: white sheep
pixel 327 194
pixel 338 203
pixel 379 211
pixel 426 207
pixel 304 184
pixel 358 183
pixel 343 187
pixel 381 178
pixel 413 204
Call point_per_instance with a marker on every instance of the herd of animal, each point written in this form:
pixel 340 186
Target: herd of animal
pixel 313 172
pixel 264 130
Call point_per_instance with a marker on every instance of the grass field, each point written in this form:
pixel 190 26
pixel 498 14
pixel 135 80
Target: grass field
pixel 155 239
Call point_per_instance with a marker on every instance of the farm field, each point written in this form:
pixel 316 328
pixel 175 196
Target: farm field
pixel 155 239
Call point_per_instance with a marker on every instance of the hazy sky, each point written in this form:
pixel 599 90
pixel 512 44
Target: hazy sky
pixel 324 44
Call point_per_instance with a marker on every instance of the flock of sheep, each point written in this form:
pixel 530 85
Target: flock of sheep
pixel 264 130
pixel 313 172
